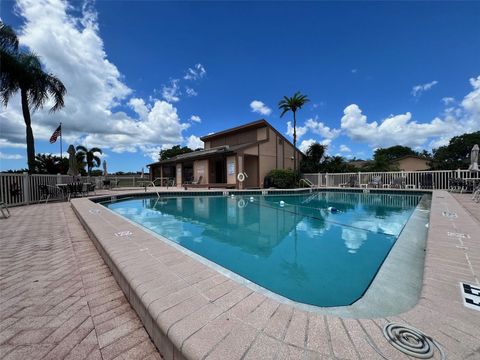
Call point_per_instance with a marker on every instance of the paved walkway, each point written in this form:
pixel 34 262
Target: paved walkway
pixel 472 207
pixel 58 299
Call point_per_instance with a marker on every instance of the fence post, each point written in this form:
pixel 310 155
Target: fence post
pixel 319 180
pixel 326 179
pixel 359 179
pixel 59 178
pixel 26 188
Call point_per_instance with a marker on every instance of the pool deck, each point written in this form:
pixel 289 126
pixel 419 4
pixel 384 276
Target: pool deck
pixel 59 299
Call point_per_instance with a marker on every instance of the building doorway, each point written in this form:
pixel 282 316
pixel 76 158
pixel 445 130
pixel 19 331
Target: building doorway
pixel 251 169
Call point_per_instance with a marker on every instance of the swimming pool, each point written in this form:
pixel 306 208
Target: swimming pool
pixel 301 250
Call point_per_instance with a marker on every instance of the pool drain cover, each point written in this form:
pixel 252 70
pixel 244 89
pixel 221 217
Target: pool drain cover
pixel 411 341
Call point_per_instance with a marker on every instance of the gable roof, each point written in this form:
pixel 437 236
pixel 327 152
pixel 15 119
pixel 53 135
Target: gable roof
pixel 248 126
pixel 205 153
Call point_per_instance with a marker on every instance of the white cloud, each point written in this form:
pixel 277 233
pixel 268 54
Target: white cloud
pixel 195 118
pixel 194 142
pixel 345 149
pixel 171 93
pixel 354 71
pixel 196 73
pixel 70 47
pixel 4 156
pixel 305 144
pixel 190 92
pixel 316 127
pixel 4 143
pixel 259 107
pixel 300 130
pixel 138 105
pixel 448 100
pixel 417 90
pixel 403 130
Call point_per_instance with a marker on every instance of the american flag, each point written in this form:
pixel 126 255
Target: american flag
pixel 56 134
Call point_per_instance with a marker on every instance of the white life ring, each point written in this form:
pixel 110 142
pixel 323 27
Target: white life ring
pixel 241 177
pixel 242 203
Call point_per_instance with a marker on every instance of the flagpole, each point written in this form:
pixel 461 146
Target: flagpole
pixel 61 155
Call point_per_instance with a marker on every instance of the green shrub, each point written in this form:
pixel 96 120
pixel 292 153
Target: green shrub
pixel 282 179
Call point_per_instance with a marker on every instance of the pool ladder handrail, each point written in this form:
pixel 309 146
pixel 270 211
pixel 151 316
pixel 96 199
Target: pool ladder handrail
pixel 306 181
pixel 152 183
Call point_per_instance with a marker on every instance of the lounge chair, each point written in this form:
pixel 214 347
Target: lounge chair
pixel 426 181
pixel 47 192
pixel 4 210
pixel 352 182
pixel 398 183
pixel 198 182
pixel 376 181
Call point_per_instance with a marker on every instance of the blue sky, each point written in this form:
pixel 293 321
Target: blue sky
pixel 142 76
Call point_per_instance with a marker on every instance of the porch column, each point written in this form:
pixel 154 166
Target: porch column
pixel 240 185
pixel 179 175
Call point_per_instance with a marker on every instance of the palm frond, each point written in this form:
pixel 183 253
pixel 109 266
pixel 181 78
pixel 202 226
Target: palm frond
pixel 8 38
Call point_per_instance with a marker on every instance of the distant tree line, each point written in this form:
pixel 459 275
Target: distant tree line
pixel 455 155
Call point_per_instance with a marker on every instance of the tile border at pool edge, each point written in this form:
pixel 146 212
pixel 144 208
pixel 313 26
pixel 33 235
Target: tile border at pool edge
pixel 386 295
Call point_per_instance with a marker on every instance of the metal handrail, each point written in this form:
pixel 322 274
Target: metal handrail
pixel 306 181
pixel 154 187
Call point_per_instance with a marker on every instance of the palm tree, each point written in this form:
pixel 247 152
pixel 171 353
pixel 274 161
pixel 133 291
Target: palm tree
pixel 89 157
pixel 293 104
pixel 22 71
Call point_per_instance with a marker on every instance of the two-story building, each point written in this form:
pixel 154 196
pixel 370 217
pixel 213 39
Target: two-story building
pixel 239 157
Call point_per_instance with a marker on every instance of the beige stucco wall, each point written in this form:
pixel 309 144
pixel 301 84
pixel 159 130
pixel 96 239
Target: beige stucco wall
pixel 231 178
pixel 251 168
pixel 200 168
pixel 412 164
pixel 235 139
pixel 262 134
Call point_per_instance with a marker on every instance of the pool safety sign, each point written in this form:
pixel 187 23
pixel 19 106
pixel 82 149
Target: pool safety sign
pixel 471 295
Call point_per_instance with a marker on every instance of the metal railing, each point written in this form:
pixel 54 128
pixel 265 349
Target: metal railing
pixel 22 189
pixel 433 179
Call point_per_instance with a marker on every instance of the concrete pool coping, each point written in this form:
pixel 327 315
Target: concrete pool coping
pixel 386 295
pixel 185 305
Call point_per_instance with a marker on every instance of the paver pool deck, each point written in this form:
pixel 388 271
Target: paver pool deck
pixel 59 299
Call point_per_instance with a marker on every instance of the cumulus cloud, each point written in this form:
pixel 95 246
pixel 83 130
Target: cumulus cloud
pixel 194 142
pixel 4 156
pixel 259 107
pixel 305 144
pixel 418 90
pixel 71 48
pixel 195 73
pixel 172 92
pixel 401 129
pixel 316 127
pixel 195 118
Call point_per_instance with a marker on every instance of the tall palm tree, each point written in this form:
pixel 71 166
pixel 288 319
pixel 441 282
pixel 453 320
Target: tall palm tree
pixel 89 157
pixel 22 71
pixel 293 104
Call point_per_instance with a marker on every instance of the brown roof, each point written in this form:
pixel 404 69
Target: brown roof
pixel 251 125
pixel 219 150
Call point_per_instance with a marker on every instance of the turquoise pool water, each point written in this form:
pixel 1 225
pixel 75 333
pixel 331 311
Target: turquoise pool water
pixel 301 251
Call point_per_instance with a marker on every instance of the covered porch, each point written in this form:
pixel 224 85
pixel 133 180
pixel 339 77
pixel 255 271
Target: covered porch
pixel 222 167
